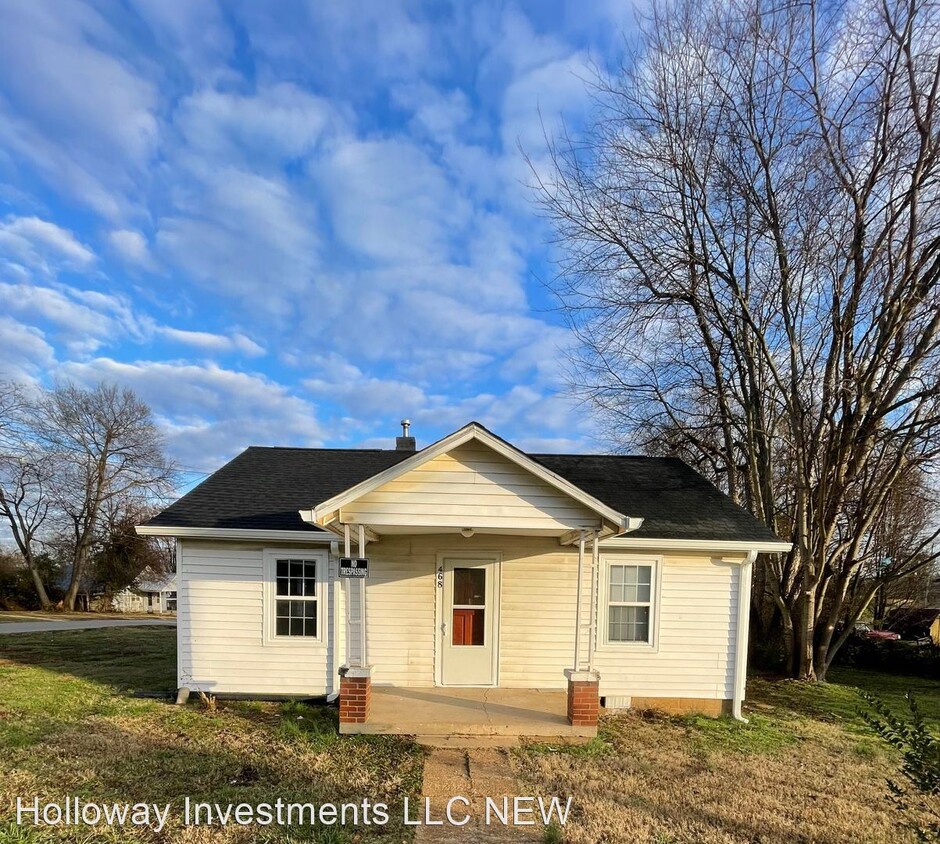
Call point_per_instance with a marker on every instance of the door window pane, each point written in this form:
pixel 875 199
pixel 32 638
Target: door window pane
pixel 469 626
pixel 469 587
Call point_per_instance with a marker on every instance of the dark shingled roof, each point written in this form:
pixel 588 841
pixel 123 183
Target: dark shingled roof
pixel 263 488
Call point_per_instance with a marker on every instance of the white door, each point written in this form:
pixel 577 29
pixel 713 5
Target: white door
pixel 468 625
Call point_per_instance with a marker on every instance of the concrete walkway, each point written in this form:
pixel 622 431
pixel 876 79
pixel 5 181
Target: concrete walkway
pixel 476 774
pixel 50 626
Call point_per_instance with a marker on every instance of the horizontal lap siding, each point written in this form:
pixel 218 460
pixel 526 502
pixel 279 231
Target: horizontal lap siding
pixel 537 616
pixel 470 486
pixel 697 632
pixel 221 642
pixel 697 627
pixel 400 611
pixel 220 628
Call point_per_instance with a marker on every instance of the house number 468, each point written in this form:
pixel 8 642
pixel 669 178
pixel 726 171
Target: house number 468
pixel 440 577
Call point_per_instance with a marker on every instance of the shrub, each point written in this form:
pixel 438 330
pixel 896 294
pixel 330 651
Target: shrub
pixel 920 767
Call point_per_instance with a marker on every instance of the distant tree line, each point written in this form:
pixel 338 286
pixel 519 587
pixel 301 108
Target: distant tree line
pixel 79 468
pixel 749 243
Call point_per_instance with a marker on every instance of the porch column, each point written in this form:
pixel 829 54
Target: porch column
pixel 355 695
pixel 584 703
pixel 362 601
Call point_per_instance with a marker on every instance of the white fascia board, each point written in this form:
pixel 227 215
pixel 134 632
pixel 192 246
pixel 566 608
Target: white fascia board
pixel 235 533
pixel 472 431
pixel 716 545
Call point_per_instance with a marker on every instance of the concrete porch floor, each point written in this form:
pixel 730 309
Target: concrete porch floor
pixel 399 710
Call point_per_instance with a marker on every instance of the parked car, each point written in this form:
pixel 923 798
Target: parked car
pixel 864 631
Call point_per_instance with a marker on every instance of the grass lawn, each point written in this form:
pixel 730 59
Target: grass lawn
pixel 805 769
pixel 69 726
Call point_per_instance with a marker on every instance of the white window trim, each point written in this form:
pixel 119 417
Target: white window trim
pixel 603 632
pixel 269 596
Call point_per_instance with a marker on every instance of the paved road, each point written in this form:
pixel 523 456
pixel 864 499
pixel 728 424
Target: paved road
pixel 46 626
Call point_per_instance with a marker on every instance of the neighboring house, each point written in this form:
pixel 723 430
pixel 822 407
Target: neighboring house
pixel 914 623
pixel 624 579
pixel 148 593
pixel 159 594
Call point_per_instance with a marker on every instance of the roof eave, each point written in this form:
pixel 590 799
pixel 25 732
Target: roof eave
pixel 760 546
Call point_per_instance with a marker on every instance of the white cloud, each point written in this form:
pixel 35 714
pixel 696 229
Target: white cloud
pixel 209 413
pixel 390 202
pixel 81 320
pixel 194 32
pixel 277 123
pixel 42 245
pixel 72 105
pixel 354 203
pixel 24 353
pixel 244 235
pixel 208 342
pixel 131 246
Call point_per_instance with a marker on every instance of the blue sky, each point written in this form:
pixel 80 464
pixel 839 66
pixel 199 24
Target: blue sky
pixel 292 223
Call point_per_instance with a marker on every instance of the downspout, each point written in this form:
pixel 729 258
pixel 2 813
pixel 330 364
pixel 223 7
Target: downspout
pixel 743 627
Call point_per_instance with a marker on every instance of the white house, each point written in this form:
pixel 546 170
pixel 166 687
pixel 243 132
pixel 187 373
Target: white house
pixel 623 580
pixel 149 593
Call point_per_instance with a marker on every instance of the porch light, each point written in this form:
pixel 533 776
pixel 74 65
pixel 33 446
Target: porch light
pixel 466 532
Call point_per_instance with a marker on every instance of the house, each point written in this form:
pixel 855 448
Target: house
pixel 914 623
pixel 498 582
pixel 159 593
pixel 149 593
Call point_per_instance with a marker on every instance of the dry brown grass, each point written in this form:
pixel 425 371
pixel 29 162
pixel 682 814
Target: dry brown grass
pixel 786 777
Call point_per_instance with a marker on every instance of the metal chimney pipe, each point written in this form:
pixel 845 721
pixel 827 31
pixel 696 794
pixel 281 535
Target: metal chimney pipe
pixel 405 442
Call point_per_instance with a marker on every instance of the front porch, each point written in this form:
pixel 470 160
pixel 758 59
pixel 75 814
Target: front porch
pixel 468 712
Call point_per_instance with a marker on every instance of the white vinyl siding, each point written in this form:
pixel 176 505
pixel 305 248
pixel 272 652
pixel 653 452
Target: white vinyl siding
pixel 220 628
pixel 221 646
pixel 470 486
pixel 696 630
pixel 400 610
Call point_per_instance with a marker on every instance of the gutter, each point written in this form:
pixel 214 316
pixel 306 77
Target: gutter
pixel 742 629
pixel 713 545
pixel 318 537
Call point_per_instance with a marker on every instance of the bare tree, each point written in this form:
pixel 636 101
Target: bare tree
pixel 751 256
pixel 26 474
pixel 106 448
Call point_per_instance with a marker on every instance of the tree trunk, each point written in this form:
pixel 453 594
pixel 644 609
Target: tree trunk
pixel 78 571
pixel 803 656
pixel 44 601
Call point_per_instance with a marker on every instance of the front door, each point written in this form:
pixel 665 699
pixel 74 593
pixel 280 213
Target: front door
pixel 468 626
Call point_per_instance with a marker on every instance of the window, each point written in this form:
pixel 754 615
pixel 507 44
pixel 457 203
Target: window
pixel 296 604
pixel 629 603
pixel 293 591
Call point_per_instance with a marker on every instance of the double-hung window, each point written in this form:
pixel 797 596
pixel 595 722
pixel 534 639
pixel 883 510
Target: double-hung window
pixel 629 599
pixel 294 595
